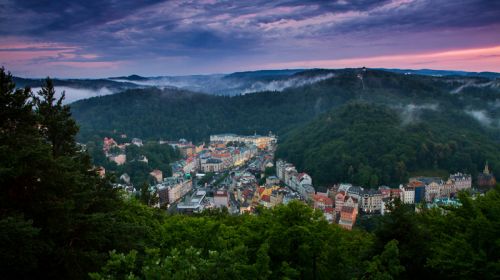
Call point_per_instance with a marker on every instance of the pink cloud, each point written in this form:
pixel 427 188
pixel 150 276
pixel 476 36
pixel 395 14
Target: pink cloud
pixel 476 59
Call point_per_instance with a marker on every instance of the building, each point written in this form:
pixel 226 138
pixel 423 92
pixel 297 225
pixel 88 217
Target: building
pixel 407 194
pixel 272 181
pixel 172 189
pixel 262 142
pixel 193 204
pixel 125 178
pixel 348 216
pixel 339 200
pixel 107 144
pixel 486 179
pixel 371 201
pixel 221 199
pixel 101 171
pixel 137 142
pixel 433 191
pixel 212 165
pixel 462 181
pixel 157 175
pixel 118 159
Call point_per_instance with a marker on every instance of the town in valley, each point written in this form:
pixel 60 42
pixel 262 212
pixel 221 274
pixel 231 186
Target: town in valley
pixel 239 174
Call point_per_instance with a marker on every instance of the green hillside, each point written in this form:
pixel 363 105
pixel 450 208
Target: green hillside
pixel 371 145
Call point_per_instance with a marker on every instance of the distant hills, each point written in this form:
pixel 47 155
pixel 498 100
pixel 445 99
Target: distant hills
pixel 457 119
pixel 218 84
pixel 442 73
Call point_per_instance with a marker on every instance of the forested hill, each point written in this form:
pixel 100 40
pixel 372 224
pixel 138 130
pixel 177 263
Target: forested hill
pixel 370 145
pixel 170 113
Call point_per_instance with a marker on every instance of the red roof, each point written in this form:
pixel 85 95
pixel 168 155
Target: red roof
pixel 266 198
pixel 324 199
pixel 328 210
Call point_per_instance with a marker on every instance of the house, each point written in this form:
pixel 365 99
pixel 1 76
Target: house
pixel 137 142
pixel 101 171
pixel 143 159
pixel 371 201
pixel 322 202
pixel 118 159
pixel 125 178
pixel 339 200
pixel 348 216
pixel 325 204
pixel 157 174
pixel 108 143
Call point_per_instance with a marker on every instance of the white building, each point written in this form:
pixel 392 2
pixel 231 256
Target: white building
pixel 212 165
pixel 371 201
pixel 407 194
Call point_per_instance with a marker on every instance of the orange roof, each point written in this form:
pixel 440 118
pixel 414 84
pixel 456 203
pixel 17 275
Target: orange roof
pixel 324 199
pixel 415 184
pixel 261 190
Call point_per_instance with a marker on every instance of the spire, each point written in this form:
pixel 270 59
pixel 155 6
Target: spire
pixel 486 169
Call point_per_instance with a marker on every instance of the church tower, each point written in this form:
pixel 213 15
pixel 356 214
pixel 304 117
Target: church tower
pixel 486 169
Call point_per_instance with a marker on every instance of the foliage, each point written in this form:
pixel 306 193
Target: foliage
pixel 60 220
pixel 368 145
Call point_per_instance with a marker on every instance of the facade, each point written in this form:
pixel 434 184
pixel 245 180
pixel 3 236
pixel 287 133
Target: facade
pixel 261 142
pixel 212 165
pixel 118 159
pixel 432 191
pixel 172 189
pixel 407 194
pixel 461 181
pixel 348 216
pixel 221 199
pixel 157 175
pixel 486 179
pixel 371 201
pixel 339 200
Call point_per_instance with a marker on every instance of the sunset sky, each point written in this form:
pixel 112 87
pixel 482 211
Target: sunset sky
pixel 95 38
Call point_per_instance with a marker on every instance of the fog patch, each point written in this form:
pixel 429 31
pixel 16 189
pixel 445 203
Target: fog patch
pixel 280 85
pixel 411 112
pixel 481 116
pixel 74 94
pixel 491 84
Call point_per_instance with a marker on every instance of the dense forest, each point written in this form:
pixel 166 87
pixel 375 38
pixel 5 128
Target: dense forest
pixel 371 145
pixel 59 220
pixel 172 114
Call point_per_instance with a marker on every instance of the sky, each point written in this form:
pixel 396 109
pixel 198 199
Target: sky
pixel 99 38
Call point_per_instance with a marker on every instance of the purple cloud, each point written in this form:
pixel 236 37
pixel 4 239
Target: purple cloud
pixel 181 37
